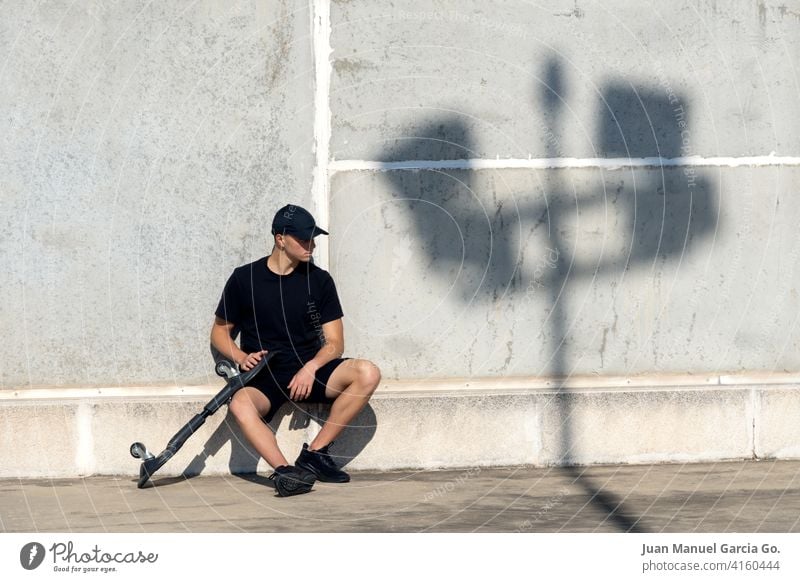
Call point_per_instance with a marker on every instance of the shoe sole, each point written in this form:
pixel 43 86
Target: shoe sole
pixel 322 478
pixel 287 486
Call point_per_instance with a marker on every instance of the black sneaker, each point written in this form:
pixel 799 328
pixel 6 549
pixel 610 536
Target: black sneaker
pixel 320 463
pixel 290 480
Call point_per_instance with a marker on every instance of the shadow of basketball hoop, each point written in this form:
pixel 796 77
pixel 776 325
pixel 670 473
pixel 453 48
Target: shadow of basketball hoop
pixel 665 211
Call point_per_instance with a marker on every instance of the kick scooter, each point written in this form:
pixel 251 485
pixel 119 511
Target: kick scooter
pixel 236 381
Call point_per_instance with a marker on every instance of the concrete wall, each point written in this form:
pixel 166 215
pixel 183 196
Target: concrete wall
pixel 145 147
pixel 501 272
pixel 501 69
pixel 514 191
pixel 490 268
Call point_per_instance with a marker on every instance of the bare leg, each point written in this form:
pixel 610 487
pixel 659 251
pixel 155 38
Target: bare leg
pixel 248 407
pixel 351 384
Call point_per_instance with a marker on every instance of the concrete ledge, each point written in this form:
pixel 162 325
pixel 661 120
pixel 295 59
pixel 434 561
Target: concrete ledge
pixel 420 424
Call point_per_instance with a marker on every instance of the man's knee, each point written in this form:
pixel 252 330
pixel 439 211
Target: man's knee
pixel 243 407
pixel 239 409
pixel 369 375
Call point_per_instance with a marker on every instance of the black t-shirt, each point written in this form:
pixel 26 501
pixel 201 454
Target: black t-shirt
pixel 282 313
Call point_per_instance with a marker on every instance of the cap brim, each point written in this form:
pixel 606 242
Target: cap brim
pixel 304 234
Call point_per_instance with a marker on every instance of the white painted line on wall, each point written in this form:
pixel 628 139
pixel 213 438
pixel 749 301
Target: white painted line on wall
pixel 555 163
pixel 320 191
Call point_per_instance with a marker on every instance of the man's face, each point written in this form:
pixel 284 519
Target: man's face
pixel 298 249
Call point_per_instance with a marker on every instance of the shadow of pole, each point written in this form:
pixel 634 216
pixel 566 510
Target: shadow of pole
pixel 553 96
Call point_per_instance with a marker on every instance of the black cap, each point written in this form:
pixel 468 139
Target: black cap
pixel 292 219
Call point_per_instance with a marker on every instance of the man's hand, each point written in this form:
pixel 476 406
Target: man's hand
pixel 300 386
pixel 250 360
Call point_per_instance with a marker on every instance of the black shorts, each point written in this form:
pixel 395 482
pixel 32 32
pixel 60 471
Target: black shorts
pixel 273 382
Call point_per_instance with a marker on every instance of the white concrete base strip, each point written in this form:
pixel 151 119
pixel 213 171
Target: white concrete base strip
pixel 457 429
pixel 563 163
pixel 755 415
pixel 84 449
pixel 55 394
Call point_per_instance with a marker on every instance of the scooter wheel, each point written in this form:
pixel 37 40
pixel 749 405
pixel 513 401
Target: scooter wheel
pixel 138 451
pixel 224 369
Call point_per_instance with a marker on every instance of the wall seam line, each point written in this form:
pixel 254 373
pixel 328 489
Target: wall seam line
pixel 320 187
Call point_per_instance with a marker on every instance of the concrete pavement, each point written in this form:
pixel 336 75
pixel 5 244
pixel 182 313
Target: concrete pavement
pixel 751 496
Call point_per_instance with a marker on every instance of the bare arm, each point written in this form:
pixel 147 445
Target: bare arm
pixel 221 339
pixel 334 344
